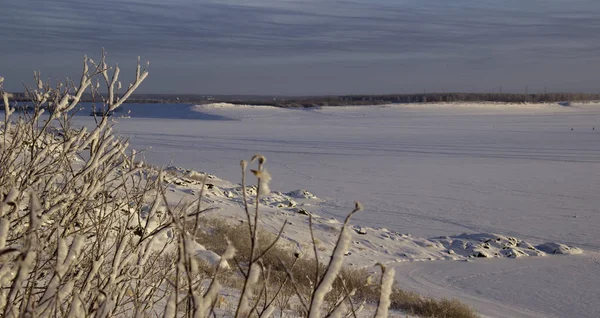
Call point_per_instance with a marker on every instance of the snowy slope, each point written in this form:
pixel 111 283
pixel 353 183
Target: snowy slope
pixel 526 172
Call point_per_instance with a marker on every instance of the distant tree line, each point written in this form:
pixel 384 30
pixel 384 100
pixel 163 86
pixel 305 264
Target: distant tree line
pixel 343 100
pixel 420 98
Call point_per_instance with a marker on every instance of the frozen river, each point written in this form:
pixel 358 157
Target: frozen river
pixel 529 171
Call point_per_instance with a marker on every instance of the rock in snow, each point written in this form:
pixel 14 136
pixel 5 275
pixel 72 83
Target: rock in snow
pixel 361 230
pixel 301 194
pixel 557 248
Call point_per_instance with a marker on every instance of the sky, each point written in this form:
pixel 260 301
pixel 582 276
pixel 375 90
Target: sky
pixel 311 47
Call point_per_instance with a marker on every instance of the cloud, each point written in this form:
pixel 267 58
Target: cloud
pixel 243 39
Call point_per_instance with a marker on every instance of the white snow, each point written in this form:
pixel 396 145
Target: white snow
pixel 226 105
pixel 520 181
pixel 207 256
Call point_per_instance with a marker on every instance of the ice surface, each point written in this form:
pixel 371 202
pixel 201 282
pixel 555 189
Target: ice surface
pixel 528 173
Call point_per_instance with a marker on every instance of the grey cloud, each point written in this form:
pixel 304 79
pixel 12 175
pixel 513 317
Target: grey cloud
pixel 255 46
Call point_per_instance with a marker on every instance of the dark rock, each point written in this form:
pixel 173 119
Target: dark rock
pixel 302 211
pixel 361 231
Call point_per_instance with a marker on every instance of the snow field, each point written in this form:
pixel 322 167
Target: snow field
pixel 425 175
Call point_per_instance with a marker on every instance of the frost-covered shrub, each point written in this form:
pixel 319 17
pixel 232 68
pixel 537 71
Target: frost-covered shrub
pixel 82 228
pixel 86 230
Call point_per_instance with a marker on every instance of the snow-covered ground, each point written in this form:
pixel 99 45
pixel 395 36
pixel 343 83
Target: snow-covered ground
pixel 512 177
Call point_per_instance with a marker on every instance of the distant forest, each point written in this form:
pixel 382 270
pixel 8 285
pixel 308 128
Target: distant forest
pixel 344 100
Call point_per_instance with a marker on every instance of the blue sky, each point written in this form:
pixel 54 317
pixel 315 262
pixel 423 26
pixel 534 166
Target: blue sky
pixel 309 47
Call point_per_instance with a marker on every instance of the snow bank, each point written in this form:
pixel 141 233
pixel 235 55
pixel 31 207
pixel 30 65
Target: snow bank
pixel 495 245
pixel 557 248
pixel 369 245
pixel 226 105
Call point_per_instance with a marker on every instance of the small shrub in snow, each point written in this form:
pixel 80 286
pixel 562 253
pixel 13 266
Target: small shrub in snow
pixel 427 307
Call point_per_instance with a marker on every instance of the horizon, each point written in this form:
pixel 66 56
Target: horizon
pixel 176 95
pixel 312 48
